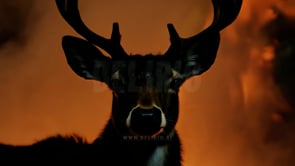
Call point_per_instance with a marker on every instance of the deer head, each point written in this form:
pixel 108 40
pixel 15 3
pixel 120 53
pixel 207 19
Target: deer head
pixel 145 88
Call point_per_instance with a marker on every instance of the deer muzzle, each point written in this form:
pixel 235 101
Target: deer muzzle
pixel 146 121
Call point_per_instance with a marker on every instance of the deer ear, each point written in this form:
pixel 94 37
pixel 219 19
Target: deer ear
pixel 201 54
pixel 85 59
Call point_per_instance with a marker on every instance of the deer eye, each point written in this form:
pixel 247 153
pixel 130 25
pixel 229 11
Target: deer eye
pixel 118 85
pixel 117 82
pixel 176 83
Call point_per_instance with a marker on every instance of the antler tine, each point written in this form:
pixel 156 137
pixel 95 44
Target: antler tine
pixel 225 12
pixel 174 37
pixel 70 12
pixel 198 52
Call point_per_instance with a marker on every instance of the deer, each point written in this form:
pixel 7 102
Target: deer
pixel 145 103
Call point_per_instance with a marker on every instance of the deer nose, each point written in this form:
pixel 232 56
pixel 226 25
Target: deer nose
pixel 146 121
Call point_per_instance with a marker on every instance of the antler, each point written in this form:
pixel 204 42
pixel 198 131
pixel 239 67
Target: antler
pixel 70 12
pixel 202 47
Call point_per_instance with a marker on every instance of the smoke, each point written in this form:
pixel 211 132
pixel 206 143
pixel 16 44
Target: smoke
pixel 16 18
pixel 228 116
pixel 258 75
pixel 243 113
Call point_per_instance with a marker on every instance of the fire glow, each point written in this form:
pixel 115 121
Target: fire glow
pixel 236 116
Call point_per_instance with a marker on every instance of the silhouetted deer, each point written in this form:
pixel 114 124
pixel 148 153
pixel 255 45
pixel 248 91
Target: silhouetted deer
pixel 145 93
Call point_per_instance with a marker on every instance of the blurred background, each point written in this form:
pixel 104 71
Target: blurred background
pixel 240 112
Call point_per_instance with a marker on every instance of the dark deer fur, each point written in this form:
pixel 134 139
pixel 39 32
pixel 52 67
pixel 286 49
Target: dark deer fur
pixel 141 130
